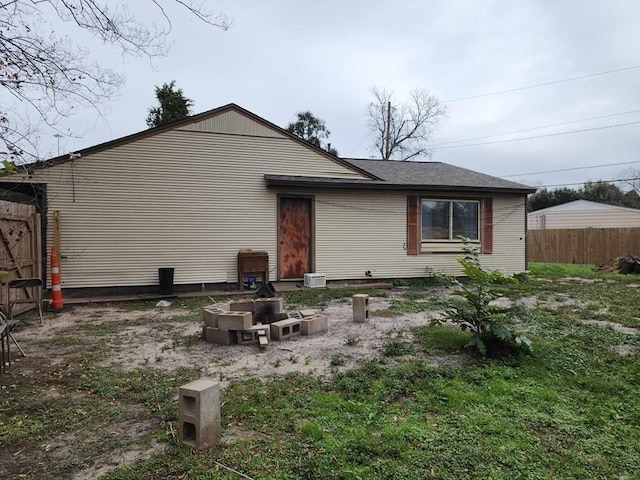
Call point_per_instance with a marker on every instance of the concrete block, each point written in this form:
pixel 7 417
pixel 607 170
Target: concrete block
pixel 286 329
pixel 313 325
pixel 269 305
pixel 360 308
pixel 263 342
pixel 235 321
pixel 246 305
pixel 261 329
pixel 245 338
pixel 307 313
pixel 210 317
pixel 219 336
pixel 199 413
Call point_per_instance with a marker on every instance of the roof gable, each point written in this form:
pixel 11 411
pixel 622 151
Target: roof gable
pixel 225 118
pixel 584 205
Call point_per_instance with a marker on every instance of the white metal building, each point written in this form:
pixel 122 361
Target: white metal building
pixel 583 214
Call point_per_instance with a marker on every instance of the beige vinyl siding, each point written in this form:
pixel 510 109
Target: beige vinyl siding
pixel 187 200
pixel 360 231
pixel 585 219
pixel 233 123
pixel 190 199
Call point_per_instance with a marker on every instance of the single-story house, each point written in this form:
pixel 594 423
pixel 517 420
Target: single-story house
pixel 191 194
pixel 583 214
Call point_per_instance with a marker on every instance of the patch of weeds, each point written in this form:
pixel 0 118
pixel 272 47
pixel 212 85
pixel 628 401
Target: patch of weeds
pixel 352 340
pixel 322 296
pixel 40 418
pixel 338 360
pixel 556 270
pixel 293 359
pixel 397 348
pixel 435 339
pixel 383 312
pixel 438 279
pixel 307 360
pixel 112 327
pixel 415 294
pixel 277 363
pixel 415 306
pixel 62 341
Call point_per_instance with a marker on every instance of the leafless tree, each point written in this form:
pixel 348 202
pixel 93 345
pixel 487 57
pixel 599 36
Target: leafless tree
pixel 44 77
pixel 404 131
pixel 633 178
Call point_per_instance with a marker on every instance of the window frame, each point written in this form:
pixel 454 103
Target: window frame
pixel 450 201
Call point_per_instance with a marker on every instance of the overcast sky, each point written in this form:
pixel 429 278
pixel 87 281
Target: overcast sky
pixel 285 56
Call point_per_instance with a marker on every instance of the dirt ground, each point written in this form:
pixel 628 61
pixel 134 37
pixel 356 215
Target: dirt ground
pixel 164 339
pixel 169 338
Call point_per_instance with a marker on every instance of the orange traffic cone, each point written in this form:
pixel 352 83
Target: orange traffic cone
pixel 56 289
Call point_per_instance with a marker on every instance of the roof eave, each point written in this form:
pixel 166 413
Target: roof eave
pixel 280 181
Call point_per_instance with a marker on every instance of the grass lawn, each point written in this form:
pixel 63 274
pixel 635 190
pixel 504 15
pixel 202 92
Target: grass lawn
pixel 570 410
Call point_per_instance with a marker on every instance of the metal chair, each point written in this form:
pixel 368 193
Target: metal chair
pixel 34 284
pixel 5 343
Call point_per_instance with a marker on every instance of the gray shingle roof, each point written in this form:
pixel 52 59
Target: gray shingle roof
pixel 435 174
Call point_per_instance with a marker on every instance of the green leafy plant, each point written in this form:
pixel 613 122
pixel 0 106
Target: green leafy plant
pixel 492 329
pixel 437 279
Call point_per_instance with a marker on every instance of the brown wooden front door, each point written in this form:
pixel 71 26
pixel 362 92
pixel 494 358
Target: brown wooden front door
pixel 295 230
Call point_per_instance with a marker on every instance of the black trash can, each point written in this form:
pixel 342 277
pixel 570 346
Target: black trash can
pixel 165 276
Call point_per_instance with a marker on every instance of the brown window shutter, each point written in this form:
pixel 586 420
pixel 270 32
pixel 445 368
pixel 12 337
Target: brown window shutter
pixel 486 220
pixel 413 240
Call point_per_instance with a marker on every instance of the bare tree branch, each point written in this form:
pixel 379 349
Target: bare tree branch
pixel 410 125
pixel 45 78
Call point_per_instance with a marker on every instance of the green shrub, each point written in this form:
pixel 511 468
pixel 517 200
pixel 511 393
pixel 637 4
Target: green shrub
pixel 491 327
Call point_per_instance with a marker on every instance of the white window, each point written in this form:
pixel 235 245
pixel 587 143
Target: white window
pixel 447 220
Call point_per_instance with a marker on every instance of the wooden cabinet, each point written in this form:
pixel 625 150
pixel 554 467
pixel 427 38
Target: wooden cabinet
pixel 253 263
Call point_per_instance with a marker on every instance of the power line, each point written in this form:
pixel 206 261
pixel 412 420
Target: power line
pixel 554 82
pixel 582 183
pixel 539 136
pixel 536 128
pixel 570 169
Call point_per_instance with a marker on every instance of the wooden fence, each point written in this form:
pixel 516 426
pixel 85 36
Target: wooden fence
pixel 586 246
pixel 19 249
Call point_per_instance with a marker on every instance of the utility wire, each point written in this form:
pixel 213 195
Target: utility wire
pixel 570 169
pixel 554 82
pixel 536 128
pixel 582 183
pixel 539 136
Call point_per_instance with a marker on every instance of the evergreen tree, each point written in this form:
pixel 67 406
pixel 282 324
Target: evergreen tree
pixel 173 105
